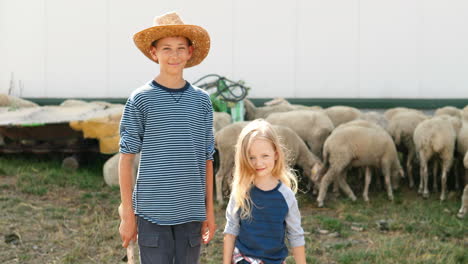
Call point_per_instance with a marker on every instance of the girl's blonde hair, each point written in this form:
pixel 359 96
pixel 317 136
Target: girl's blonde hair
pixel 244 172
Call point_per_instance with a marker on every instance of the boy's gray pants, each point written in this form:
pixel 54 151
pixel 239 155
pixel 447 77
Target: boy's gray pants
pixel 169 244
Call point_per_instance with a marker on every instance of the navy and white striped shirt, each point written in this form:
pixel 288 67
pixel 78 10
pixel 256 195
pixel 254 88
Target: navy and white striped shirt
pixel 173 130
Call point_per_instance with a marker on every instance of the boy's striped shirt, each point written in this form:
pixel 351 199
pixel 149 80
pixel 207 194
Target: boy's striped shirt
pixel 173 130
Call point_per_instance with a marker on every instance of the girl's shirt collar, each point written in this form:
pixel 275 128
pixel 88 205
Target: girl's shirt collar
pixel 267 191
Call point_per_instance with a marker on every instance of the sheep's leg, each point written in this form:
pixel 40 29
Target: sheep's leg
pixel 426 179
pixel 444 185
pixel 326 180
pixel 365 194
pixel 464 205
pixel 219 185
pixel 421 179
pixel 336 188
pixel 409 167
pixel 388 183
pixel 345 187
pixel 466 177
pixel 423 176
pixel 221 179
pixel 435 169
pixel 447 160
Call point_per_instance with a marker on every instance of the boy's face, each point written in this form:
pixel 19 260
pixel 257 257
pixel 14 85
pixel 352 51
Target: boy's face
pixel 172 53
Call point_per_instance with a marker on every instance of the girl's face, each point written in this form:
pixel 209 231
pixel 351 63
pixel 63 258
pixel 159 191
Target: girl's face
pixel 172 53
pixel 262 156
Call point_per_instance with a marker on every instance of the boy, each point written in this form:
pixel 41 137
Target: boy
pixel 171 123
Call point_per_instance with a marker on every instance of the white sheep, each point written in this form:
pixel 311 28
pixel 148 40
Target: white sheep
pixel 342 114
pixel 357 146
pixel 15 102
pixel 312 126
pixel 465 113
pixel 393 111
pixel 225 141
pixel 220 120
pixel 462 147
pixel 401 127
pixel 464 201
pixel 280 100
pixel 448 110
pixel 110 170
pixel 436 137
pixel 376 118
pixel 252 112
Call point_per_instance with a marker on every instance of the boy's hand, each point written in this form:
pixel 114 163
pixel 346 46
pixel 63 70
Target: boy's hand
pixel 208 227
pixel 127 228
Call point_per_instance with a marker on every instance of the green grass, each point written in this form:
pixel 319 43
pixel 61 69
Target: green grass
pixel 37 175
pixel 72 218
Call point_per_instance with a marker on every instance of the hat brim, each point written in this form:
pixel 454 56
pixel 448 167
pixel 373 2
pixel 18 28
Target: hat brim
pixel 197 35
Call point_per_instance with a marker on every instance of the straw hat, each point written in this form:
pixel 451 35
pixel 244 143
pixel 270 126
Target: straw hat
pixel 170 25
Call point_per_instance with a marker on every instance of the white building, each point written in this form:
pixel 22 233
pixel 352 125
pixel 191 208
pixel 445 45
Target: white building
pixel 296 49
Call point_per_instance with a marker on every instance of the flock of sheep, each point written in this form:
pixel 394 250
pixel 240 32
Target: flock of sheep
pixel 327 143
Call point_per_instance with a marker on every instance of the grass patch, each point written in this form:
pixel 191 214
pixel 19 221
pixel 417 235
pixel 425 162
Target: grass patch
pixel 330 223
pixel 37 175
pixel 71 217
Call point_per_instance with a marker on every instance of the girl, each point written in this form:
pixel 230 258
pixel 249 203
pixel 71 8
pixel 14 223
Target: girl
pixel 262 208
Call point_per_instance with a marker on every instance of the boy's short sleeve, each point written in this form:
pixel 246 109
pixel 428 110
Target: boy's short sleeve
pixel 131 129
pixel 232 218
pixel 209 131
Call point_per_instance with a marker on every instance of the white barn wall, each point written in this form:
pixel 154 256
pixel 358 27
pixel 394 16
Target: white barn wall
pixel 302 49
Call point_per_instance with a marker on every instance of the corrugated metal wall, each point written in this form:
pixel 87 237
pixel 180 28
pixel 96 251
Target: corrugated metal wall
pixel 302 48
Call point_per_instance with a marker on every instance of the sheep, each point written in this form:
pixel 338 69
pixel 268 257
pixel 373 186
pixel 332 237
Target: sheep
pixel 465 161
pixel 375 118
pixel 355 146
pixel 449 110
pixel 15 102
pixel 401 127
pixel 373 121
pixel 436 137
pixel 225 141
pixel 313 127
pixel 393 111
pixel 278 101
pixel 462 148
pixel 465 113
pixel 220 120
pixel 342 114
pixel 464 201
pixel 110 170
pixel 252 112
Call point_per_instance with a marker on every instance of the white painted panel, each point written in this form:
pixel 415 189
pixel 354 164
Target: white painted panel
pixel 389 49
pixel 22 47
pixel 444 40
pixel 76 48
pixel 264 42
pixel 315 48
pixel 326 49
